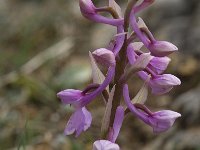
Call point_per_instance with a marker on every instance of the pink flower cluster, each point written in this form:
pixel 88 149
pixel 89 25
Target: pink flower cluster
pixel 123 58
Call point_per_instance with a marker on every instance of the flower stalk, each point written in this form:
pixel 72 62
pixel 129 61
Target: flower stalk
pixel 121 63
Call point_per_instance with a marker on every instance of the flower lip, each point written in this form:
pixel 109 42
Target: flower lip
pixel 80 121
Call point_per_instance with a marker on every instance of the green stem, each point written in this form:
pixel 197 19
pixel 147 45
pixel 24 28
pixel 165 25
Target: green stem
pixel 121 63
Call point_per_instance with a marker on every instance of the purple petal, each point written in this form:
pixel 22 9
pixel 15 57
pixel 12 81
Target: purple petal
pixel 105 20
pixel 119 40
pixel 75 122
pixel 70 96
pixel 166 79
pixel 79 121
pixel 159 64
pixel 159 90
pixel 87 7
pixel 162 84
pixel 166 114
pixel 105 145
pixel 136 29
pixel 88 118
pixel 89 11
pixel 162 120
pixel 162 48
pixel 131 107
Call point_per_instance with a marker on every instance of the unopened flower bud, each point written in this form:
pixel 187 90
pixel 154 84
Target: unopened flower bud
pixel 105 145
pixel 104 56
pixel 162 48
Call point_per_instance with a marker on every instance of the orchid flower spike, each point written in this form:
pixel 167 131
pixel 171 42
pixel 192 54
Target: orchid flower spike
pixel 149 65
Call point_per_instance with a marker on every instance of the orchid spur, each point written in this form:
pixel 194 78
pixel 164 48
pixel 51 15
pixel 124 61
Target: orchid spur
pixel 122 58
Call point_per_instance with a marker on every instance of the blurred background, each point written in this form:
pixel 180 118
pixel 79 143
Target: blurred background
pixel 44 48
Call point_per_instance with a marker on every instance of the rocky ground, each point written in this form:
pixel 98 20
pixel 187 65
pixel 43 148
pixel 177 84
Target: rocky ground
pixel 44 48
